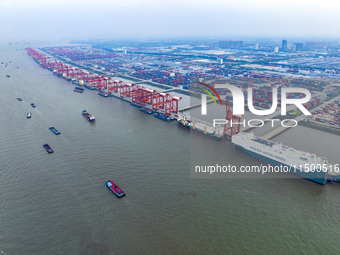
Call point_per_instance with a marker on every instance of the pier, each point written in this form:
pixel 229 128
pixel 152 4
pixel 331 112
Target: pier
pixel 168 90
pixel 276 131
pixel 188 107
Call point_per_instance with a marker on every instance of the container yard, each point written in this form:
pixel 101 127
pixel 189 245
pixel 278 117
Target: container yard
pixel 328 115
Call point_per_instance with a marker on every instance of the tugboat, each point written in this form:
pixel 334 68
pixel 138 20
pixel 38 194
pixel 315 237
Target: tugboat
pixel 115 189
pixel 28 115
pixel 88 116
pixel 19 99
pixel 33 105
pixel 47 148
pixel 54 130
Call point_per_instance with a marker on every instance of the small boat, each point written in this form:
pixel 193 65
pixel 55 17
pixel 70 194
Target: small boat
pixel 29 115
pixel 47 148
pixel 103 94
pixel 88 116
pixel 33 105
pixel 78 91
pixel 147 110
pixel 19 99
pixel 79 88
pixel 54 130
pixel 115 189
pixel 8 76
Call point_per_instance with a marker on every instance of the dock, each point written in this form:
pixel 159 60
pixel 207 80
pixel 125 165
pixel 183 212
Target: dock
pixel 188 107
pixel 276 131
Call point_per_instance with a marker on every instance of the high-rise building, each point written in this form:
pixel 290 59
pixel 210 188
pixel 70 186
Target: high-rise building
pixel 297 46
pixel 230 44
pixel 284 45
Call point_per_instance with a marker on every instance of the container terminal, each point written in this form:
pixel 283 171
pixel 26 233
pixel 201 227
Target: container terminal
pixel 164 101
pixel 165 107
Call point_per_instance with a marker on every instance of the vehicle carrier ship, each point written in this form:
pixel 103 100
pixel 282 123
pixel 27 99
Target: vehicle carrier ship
pixel 303 164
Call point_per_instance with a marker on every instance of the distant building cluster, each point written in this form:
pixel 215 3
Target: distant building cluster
pixel 230 44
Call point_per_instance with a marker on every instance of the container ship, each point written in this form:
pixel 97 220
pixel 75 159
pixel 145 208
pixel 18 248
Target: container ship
pixel 187 124
pixel 88 116
pixel 303 164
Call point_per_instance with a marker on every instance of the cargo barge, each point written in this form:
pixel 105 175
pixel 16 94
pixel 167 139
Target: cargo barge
pixel 103 94
pixel 47 148
pixel 163 116
pixel 115 189
pixel 89 87
pixel 147 110
pixel 303 164
pixel 54 130
pixel 135 105
pixel 88 116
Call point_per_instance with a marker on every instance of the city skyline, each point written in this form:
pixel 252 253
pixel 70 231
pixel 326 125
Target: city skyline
pixel 64 20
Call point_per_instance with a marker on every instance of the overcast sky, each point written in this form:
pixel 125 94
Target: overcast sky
pixel 112 19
